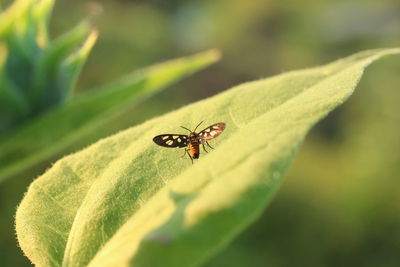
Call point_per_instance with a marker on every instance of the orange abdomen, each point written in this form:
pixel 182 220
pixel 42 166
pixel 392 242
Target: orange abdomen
pixel 194 150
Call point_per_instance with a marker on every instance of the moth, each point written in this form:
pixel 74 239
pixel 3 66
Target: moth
pixel 192 141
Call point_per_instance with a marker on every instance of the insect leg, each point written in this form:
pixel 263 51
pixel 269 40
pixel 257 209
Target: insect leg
pixel 209 145
pixel 204 148
pixel 189 155
pixel 184 153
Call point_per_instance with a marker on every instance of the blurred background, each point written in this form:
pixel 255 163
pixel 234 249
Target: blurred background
pixel 340 202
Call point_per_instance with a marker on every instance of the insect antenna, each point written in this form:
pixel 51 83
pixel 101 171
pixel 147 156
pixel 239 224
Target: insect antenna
pixel 197 126
pixel 186 129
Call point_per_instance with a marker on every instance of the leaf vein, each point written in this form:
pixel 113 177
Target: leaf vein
pixel 233 119
pixel 46 194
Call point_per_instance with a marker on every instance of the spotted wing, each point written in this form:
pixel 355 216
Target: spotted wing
pixel 171 140
pixel 211 131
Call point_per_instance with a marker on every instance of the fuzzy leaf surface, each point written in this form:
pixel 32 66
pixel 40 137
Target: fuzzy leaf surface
pixel 126 202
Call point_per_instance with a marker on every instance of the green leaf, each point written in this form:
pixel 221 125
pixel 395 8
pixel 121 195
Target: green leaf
pixel 47 89
pixel 16 12
pixel 125 201
pixel 36 12
pixel 64 126
pixel 29 74
pixel 72 66
pixel 41 15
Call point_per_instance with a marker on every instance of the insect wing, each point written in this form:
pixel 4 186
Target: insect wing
pixel 171 140
pixel 212 131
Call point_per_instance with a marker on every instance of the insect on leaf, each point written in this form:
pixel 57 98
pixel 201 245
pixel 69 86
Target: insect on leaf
pixel 171 140
pixel 82 117
pixel 125 202
pixel 212 131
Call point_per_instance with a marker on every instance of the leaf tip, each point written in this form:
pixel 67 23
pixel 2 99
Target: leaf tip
pixel 95 10
pixel 213 55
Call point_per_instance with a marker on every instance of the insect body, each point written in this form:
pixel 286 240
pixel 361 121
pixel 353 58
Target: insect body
pixel 194 150
pixel 191 142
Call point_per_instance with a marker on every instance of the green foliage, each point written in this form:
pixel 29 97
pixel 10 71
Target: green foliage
pixel 80 118
pixel 36 75
pixel 125 201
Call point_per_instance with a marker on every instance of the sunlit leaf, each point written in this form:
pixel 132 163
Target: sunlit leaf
pixel 72 66
pixel 125 201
